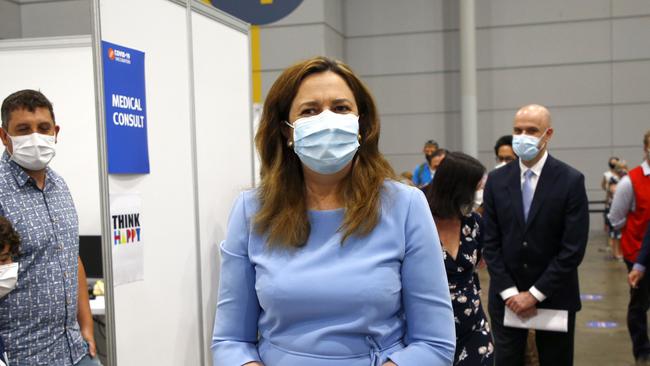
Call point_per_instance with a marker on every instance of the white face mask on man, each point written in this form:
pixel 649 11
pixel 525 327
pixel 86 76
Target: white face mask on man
pixel 8 278
pixel 33 152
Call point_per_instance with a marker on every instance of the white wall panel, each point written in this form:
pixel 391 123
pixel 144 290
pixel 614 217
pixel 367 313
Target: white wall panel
pixel 405 162
pixel 268 78
pixel 546 44
pixel 309 11
pixel 630 38
pixel 630 7
pixel 367 17
pixel 553 86
pixel 333 44
pixel 581 127
pixel 590 162
pixel 492 125
pixel 67 81
pixel 631 82
pixel 333 14
pixel 10 26
pixel 222 109
pixel 630 123
pixel 298 43
pixel 524 12
pixel 409 132
pixel 419 93
pixel 397 54
pixel 57 18
pixel 632 155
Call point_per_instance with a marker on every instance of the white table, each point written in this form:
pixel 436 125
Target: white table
pixel 97 306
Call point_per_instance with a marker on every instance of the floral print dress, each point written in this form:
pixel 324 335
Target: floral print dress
pixel 473 340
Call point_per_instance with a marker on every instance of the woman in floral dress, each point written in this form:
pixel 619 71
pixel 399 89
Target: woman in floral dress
pixel 451 196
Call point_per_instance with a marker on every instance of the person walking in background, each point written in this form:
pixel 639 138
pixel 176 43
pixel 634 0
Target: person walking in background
pixel 422 174
pixel 614 234
pixel 330 262
pixel 608 176
pixel 503 151
pixel 630 211
pixel 451 198
pixel 609 173
pixel 434 163
pixel 536 226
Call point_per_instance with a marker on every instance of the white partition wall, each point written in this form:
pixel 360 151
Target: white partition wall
pixel 62 69
pixel 197 70
pixel 223 130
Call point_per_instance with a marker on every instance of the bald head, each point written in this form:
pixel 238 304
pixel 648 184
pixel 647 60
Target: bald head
pixel 533 120
pixel 534 113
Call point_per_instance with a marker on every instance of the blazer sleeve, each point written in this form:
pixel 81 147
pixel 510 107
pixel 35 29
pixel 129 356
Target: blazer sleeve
pixel 234 341
pixel 430 331
pixel 574 240
pixel 492 242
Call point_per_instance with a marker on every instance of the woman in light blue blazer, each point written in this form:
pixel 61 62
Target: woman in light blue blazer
pixel 330 261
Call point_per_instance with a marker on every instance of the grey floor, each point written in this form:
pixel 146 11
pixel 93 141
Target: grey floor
pixel 599 276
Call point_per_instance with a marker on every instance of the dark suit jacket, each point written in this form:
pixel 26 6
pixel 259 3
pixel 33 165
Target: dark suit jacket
pixel 546 250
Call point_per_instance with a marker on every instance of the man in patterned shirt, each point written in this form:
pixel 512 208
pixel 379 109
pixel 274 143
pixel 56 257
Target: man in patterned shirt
pixel 46 319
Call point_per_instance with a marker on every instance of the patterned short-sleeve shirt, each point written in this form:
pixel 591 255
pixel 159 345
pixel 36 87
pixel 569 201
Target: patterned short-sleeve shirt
pixel 38 320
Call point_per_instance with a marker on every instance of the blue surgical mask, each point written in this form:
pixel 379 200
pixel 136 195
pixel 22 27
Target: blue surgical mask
pixel 326 142
pixel 526 146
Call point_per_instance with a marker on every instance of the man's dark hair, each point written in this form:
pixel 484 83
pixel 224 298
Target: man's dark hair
pixel 24 99
pixel 451 193
pixel 9 236
pixel 431 143
pixel 503 140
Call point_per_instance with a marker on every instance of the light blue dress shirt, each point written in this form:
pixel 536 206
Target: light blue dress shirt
pixel 376 297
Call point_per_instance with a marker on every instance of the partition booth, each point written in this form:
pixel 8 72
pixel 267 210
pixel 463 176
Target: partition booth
pixel 154 159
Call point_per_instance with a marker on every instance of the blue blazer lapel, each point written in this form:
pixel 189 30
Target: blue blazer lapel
pixel 514 188
pixel 544 185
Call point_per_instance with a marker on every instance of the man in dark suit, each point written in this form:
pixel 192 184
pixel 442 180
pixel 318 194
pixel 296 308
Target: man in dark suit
pixel 536 229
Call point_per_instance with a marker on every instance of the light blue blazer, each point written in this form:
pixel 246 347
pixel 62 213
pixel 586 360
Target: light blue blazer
pixel 378 297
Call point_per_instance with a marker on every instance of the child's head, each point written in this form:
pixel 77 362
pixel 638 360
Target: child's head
pixel 9 242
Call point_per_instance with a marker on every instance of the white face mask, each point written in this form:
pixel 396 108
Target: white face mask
pixel 8 278
pixel 478 198
pixel 501 164
pixel 33 152
pixel 326 142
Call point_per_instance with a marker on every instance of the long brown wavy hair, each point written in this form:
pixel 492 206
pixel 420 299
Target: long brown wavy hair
pixel 282 194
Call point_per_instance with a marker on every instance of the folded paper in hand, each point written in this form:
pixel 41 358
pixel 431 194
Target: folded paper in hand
pixel 546 319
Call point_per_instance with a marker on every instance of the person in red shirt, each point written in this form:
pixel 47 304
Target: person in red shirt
pixel 630 210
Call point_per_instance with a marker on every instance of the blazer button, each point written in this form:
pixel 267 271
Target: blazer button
pixel 525 244
pixel 525 265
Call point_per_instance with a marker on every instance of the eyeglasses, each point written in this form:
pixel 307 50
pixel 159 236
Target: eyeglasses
pixel 505 159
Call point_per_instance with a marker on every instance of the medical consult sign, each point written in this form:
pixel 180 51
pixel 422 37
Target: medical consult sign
pixel 126 110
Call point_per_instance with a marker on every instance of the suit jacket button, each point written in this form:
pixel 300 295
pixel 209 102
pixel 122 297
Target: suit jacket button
pixel 525 244
pixel 525 265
